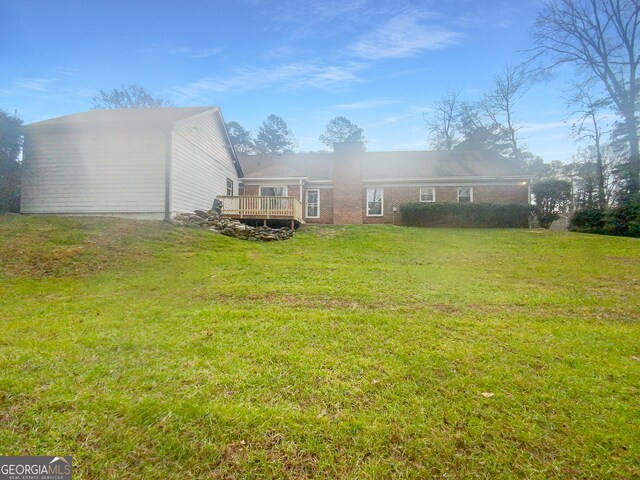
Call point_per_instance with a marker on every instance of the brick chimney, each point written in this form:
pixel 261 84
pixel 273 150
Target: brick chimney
pixel 347 183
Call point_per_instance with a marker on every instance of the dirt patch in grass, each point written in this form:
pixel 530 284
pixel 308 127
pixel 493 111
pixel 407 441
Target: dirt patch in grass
pixel 66 246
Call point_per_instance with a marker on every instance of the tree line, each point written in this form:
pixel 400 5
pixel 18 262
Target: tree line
pixel 599 39
pixel 275 137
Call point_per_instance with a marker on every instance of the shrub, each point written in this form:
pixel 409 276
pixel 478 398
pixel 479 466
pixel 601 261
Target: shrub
pixel 9 189
pixel 476 215
pixel 623 220
pixel 550 196
pixel 590 220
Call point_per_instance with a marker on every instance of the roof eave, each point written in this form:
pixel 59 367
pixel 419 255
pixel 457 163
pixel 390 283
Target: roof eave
pixel 466 179
pixel 272 179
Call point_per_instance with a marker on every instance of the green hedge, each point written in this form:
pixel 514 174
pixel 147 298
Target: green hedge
pixel 475 215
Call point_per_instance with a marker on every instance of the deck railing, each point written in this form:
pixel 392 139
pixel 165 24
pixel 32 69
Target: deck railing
pixel 258 207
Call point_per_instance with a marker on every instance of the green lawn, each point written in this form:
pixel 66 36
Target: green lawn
pixel 149 351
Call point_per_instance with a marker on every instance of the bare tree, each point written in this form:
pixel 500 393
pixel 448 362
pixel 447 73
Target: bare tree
pixel 131 96
pixel 443 123
pixel 499 106
pixel 589 126
pixel 600 38
pixel 477 131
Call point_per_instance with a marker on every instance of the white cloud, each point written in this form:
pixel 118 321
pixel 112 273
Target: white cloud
pixel 34 84
pixel 403 36
pixel 537 127
pixel 280 52
pixel 300 19
pixel 65 71
pixel 365 104
pixel 29 85
pixel 180 51
pixel 286 76
pixel 208 52
pixel 389 120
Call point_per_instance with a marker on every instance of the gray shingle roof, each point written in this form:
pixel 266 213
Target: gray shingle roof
pixel 438 164
pixel 314 166
pixel 385 165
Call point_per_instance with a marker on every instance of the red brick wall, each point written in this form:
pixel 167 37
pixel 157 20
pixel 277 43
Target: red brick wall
pixel 395 196
pixel 326 207
pixel 347 184
pixel 294 191
pixel 348 206
pixel 446 194
pixel 252 190
pixel 501 194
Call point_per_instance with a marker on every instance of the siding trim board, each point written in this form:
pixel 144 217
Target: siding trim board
pixel 167 174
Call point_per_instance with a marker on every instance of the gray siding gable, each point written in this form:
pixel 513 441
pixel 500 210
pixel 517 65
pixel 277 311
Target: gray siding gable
pixel 201 162
pixel 146 163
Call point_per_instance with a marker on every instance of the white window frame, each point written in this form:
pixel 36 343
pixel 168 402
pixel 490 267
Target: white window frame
pixel 229 183
pixel 470 194
pixel 381 214
pixel 306 203
pixel 433 194
pixel 286 190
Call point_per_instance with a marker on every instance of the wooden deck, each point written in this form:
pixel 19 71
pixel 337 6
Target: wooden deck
pixel 253 207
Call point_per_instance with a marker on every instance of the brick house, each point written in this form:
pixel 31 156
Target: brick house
pixel 156 163
pixel 351 186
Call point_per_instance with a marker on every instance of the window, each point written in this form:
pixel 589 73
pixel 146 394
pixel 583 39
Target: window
pixel 273 191
pixel 313 204
pixel 428 194
pixel 375 198
pixel 229 186
pixel 465 194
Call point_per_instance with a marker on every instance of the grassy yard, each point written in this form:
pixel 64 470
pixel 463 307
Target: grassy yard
pixel 148 351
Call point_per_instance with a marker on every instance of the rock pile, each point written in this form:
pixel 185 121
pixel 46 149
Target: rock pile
pixel 213 222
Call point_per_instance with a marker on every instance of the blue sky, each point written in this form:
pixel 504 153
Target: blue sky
pixel 379 63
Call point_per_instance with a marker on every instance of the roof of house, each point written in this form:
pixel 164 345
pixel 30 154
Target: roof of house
pixel 315 166
pixel 124 115
pixel 385 165
pixel 438 164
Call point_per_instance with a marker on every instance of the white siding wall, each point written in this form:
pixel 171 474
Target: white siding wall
pixel 97 171
pixel 200 164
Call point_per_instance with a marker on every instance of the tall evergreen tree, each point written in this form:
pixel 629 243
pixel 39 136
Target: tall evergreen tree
pixel 241 138
pixel 341 129
pixel 274 136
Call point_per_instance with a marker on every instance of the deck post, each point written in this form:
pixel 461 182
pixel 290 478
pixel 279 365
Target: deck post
pixel 293 224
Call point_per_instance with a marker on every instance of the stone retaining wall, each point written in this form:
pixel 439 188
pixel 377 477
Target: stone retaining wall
pixel 214 222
